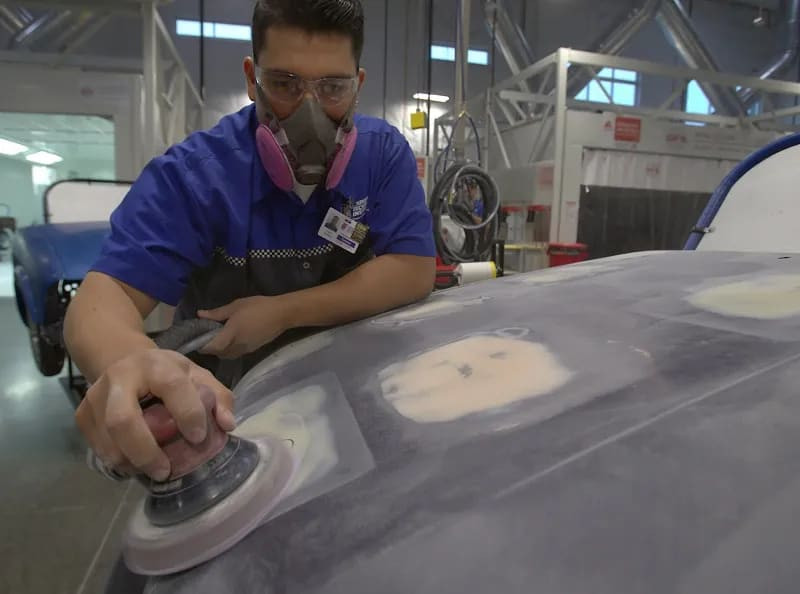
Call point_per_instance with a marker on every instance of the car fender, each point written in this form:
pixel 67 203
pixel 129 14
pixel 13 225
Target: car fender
pixel 23 291
pixel 36 268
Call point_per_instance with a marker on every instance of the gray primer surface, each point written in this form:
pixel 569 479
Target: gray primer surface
pixel 669 464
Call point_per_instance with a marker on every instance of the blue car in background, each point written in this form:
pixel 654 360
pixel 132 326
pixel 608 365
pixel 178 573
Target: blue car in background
pixel 51 260
pixel 8 225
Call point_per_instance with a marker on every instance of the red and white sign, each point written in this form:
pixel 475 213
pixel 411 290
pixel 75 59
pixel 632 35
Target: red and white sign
pixel 628 130
pixel 422 168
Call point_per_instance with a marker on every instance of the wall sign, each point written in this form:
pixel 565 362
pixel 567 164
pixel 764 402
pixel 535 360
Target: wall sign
pixel 628 130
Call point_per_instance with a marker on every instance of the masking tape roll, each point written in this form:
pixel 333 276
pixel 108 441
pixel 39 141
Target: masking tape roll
pixel 473 273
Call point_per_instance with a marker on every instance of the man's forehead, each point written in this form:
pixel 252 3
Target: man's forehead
pixel 307 54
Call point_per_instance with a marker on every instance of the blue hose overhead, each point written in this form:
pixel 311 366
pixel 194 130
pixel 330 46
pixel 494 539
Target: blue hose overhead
pixel 721 193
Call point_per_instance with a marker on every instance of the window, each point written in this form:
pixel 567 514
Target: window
pixel 698 102
pixel 447 53
pixel 186 28
pixel 612 85
pixel 443 53
pixel 479 57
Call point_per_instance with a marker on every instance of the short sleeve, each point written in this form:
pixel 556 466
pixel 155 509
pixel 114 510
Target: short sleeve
pixel 402 223
pixel 159 234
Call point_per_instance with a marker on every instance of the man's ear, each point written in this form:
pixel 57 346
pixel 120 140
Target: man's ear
pixel 362 77
pixel 250 76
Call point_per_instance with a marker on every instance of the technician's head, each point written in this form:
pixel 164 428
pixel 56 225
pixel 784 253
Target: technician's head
pixel 300 41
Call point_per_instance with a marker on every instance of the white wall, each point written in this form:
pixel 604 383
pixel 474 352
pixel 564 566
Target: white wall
pixel 16 190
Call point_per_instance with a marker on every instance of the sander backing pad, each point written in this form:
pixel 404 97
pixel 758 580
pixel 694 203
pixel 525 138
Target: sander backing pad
pixel 154 550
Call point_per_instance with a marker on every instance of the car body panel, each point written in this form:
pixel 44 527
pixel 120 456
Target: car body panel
pixel 667 464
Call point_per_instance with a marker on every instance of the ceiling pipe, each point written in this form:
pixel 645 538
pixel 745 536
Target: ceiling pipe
pixel 786 58
pixel 13 18
pixel 678 28
pixel 86 33
pixel 81 22
pixel 28 31
pixel 39 27
pixel 7 25
pixel 612 44
pixel 508 38
pixel 511 41
pixel 24 14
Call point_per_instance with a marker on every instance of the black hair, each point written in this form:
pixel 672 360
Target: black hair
pixel 314 16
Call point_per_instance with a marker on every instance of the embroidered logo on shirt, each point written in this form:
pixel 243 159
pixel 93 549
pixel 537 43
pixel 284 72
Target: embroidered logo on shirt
pixel 355 209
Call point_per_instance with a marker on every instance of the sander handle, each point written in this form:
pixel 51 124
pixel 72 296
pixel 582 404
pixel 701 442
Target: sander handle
pixel 185 337
pixel 162 424
pixel 183 456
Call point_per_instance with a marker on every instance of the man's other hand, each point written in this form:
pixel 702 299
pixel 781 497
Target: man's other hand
pixel 111 418
pixel 249 325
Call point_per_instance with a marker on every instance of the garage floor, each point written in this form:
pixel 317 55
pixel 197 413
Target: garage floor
pixel 6 284
pixel 60 522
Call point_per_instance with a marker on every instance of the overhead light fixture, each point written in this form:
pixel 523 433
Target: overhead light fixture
pixel 12 149
pixel 44 158
pixel 434 98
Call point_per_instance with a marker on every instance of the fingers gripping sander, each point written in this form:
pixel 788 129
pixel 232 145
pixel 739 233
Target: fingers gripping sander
pixel 218 491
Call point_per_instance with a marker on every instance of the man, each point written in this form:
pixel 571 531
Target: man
pixel 230 226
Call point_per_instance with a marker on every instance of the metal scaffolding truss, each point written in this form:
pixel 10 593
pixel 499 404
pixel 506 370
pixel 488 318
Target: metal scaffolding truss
pixel 505 107
pixel 525 129
pixel 173 106
pixel 50 32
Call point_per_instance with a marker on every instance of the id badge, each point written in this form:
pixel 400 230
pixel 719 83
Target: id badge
pixel 343 231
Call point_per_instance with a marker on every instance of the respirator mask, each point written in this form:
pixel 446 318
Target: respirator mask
pixel 308 148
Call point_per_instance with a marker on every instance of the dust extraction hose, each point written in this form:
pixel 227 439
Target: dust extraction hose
pixel 479 236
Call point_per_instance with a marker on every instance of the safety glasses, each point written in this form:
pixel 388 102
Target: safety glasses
pixel 287 88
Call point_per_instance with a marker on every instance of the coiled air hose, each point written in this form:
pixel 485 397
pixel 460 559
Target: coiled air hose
pixel 466 197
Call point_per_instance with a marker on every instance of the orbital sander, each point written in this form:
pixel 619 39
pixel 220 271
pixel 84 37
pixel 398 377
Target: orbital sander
pixel 218 491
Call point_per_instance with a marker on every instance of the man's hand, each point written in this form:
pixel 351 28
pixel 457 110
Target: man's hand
pixel 249 324
pixel 112 421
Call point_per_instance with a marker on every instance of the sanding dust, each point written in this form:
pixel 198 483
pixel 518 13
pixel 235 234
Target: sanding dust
pixel 436 307
pixel 426 311
pixel 563 273
pixel 298 417
pixel 474 375
pixel 767 298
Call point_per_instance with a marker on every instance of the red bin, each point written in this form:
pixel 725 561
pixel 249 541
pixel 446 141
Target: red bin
pixel 562 254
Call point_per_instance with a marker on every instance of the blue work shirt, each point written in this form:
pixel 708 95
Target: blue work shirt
pixel 204 225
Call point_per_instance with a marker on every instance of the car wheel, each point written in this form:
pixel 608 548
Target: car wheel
pixel 49 358
pixel 20 304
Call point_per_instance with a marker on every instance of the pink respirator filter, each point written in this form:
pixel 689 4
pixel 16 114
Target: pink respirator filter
pixel 277 165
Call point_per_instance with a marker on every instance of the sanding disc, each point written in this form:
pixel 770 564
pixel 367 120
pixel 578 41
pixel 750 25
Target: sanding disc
pixel 155 551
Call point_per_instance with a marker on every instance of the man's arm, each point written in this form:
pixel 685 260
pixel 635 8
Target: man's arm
pixel 159 234
pixel 104 324
pixel 381 284
pixel 385 283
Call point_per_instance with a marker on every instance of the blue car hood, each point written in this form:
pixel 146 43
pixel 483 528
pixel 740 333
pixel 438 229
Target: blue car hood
pixel 70 248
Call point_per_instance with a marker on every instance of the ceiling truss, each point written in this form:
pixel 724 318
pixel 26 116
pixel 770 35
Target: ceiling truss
pixel 52 31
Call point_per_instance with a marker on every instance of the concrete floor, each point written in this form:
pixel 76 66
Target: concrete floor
pixel 61 523
pixel 6 282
